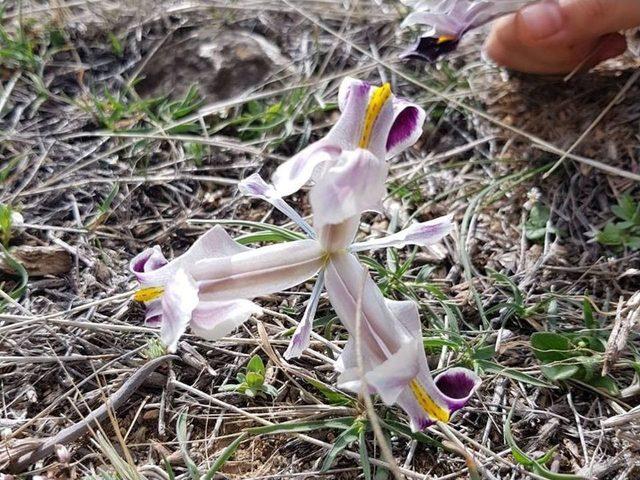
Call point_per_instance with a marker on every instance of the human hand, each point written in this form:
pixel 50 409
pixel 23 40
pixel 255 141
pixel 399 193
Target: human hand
pixel 558 36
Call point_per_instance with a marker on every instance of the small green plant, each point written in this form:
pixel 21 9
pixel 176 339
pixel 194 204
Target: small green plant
pixel 18 49
pixel 104 209
pixel 251 383
pixel 535 228
pixel 155 348
pixel 6 223
pixel 124 110
pixel 277 119
pixel 624 233
pixel 575 356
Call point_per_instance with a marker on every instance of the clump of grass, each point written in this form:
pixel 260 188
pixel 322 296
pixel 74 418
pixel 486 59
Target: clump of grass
pixel 124 110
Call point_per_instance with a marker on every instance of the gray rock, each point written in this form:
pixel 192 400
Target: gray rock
pixel 222 64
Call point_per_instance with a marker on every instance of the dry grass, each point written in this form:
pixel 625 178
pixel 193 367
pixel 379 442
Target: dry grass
pixel 100 174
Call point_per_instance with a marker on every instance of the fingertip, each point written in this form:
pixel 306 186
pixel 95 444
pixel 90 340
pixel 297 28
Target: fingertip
pixel 495 51
pixel 539 22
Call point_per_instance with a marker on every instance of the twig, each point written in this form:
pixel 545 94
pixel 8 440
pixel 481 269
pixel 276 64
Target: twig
pixel 75 431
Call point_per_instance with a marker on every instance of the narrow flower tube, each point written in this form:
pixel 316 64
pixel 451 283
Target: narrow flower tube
pixel 257 272
pixel 385 352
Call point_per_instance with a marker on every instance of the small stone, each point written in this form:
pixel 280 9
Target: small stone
pixel 151 415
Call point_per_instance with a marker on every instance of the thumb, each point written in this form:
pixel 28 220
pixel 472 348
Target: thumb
pixel 574 20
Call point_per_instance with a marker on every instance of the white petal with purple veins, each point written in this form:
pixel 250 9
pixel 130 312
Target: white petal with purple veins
pixel 216 242
pixel 422 234
pixel 392 376
pixel 302 336
pixel 179 300
pixel 293 174
pixel 214 320
pixel 356 183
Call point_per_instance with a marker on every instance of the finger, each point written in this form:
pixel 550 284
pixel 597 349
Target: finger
pixel 584 18
pixel 556 60
pixel 561 21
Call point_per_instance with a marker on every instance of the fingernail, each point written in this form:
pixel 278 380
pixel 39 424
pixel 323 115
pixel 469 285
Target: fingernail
pixel 542 19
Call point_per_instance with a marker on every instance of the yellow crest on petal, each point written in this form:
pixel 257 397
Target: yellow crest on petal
pixel 435 411
pixel 446 38
pixel 148 294
pixel 378 98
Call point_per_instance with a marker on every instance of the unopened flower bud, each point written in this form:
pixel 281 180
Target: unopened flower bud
pixel 62 453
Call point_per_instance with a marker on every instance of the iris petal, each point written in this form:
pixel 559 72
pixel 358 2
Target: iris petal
pixel 423 234
pixel 214 320
pixel 302 336
pixel 178 302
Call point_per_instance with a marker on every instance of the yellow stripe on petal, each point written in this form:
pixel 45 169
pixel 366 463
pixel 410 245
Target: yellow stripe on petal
pixel 446 38
pixel 148 294
pixel 378 98
pixel 435 411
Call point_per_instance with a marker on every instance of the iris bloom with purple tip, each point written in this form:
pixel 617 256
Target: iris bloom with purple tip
pixel 449 20
pixel 372 119
pixel 211 287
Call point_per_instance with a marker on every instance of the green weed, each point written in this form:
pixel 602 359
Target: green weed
pixel 251 383
pixel 626 231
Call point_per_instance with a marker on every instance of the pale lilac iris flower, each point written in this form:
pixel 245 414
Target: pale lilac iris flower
pixel 449 20
pixel 372 119
pixel 211 287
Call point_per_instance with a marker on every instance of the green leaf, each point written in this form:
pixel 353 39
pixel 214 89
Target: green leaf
pixel 335 397
pixel 550 347
pixel 484 353
pixel 587 311
pixel 344 440
pixel 295 426
pixel 256 365
pixel 254 380
pixel 512 373
pixel 181 434
pixel 559 372
pixel 364 453
pixel 269 390
pixel 16 266
pixel 606 383
pixel 169 470
pixel 224 456
pixel 626 209
pixel 610 235
pixel 536 225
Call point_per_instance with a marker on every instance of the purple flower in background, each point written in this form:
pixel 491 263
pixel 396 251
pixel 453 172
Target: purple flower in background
pixel 449 20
